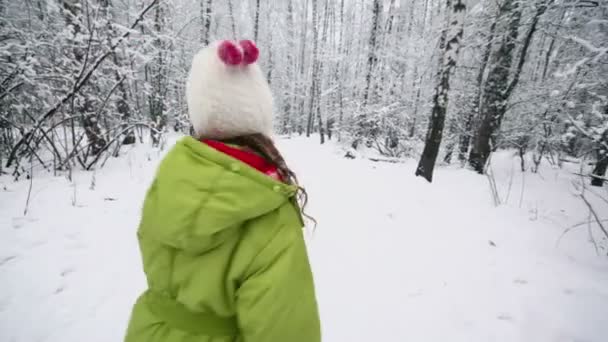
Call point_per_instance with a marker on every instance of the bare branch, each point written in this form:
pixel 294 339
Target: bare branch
pixel 78 85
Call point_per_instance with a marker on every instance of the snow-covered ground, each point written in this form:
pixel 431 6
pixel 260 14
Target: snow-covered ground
pixel 395 258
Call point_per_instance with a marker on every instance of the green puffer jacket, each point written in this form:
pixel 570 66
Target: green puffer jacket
pixel 224 255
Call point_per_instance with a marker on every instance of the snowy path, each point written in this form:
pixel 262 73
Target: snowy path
pixel 395 259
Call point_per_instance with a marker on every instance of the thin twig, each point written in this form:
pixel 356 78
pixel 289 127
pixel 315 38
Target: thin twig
pixel 591 237
pixel 523 187
pixel 8 91
pixel 44 135
pixel 29 191
pixel 78 85
pixel 116 137
pixel 584 223
pixel 105 101
pixel 510 184
pixel 598 220
pixel 566 231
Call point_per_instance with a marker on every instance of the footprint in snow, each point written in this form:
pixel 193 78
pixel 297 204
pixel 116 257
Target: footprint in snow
pixel 7 259
pixel 18 222
pixel 59 290
pixel 67 271
pixel 504 317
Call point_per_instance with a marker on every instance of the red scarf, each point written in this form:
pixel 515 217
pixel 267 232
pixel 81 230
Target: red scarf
pixel 249 158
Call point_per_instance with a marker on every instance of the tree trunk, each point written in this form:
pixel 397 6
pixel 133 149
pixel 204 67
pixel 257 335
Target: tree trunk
pixel 313 108
pixel 303 76
pixel 205 21
pixel 599 172
pixel 416 103
pixel 450 52
pixel 321 72
pixel 122 104
pixel 411 20
pixel 339 67
pixel 91 128
pixel 465 137
pixel 2 13
pixel 159 83
pixel 41 10
pixel 270 61
pixel 288 94
pixel 494 96
pixel 256 23
pixel 602 158
pixel 232 20
pixel 90 121
pixel 449 149
pixel 549 52
pixel 372 58
pixel 498 88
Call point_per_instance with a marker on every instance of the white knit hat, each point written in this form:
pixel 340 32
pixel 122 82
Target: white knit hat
pixel 227 94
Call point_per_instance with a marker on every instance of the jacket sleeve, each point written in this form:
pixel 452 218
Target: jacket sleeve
pixel 276 302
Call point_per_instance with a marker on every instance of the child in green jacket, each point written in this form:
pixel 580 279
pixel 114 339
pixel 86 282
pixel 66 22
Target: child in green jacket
pixel 221 231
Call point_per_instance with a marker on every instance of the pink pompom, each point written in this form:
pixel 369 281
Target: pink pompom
pixel 250 51
pixel 230 53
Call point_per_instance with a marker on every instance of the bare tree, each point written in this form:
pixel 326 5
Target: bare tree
pixel 314 86
pixel 465 135
pixel 453 36
pixel 499 87
pixel 85 105
pixel 529 75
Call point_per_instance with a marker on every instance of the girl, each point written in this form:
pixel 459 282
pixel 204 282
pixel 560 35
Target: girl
pixel 221 232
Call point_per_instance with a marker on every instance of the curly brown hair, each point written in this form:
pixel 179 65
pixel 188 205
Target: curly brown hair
pixel 264 146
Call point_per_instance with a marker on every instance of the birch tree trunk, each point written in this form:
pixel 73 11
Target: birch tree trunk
pixel 302 75
pixel 372 58
pixel 312 109
pixel 256 23
pixel 289 92
pixel 156 100
pixel 232 20
pixel 206 10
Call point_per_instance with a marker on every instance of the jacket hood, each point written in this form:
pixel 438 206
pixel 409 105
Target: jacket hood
pixel 201 196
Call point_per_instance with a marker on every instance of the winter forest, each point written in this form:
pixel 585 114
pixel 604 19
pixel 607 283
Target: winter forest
pixel 505 97
pixel 448 81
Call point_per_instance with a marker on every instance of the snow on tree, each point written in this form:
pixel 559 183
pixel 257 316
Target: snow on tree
pixel 80 78
pixel 450 44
